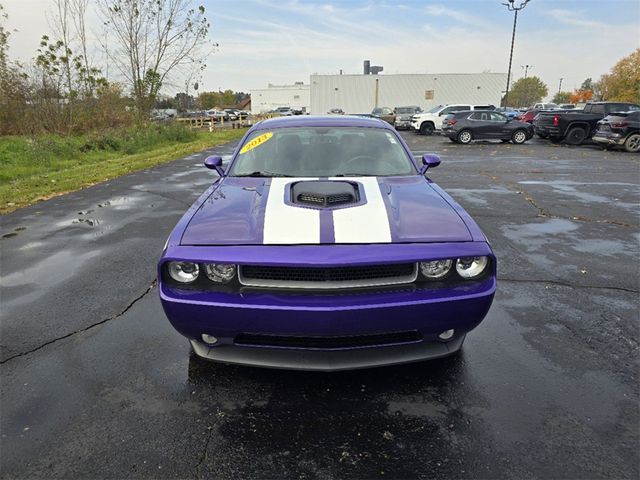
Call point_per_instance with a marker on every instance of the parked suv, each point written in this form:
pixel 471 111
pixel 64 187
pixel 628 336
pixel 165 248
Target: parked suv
pixel 463 127
pixel 403 116
pixel 384 113
pixel 429 122
pixel 619 129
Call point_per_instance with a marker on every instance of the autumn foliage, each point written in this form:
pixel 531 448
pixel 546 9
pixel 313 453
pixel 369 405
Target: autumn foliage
pixel 623 83
pixel 581 96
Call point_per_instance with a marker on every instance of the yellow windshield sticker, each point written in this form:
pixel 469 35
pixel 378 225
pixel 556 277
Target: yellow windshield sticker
pixel 259 140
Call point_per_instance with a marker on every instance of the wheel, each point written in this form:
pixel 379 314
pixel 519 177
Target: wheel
pixel 519 137
pixel 632 143
pixel 426 128
pixel 576 136
pixel 465 137
pixel 555 139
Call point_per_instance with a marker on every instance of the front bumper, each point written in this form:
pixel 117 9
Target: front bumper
pixel 402 124
pixel 328 361
pixel 422 308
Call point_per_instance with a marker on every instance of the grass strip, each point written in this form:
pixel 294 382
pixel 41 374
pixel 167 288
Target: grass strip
pixel 30 189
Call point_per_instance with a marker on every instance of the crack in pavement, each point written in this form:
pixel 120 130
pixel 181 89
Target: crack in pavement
pixel 544 213
pixel 117 315
pixel 204 454
pixel 568 285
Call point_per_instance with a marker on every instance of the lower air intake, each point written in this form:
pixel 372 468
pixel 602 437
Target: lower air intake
pixel 328 343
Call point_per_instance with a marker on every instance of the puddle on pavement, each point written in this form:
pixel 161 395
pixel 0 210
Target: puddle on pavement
pixel 92 222
pixel 570 188
pixel 51 270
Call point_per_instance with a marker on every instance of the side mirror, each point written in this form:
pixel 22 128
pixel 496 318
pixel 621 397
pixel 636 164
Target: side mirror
pixel 429 160
pixel 215 163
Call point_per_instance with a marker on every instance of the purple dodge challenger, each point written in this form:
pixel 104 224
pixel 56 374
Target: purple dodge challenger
pixel 324 247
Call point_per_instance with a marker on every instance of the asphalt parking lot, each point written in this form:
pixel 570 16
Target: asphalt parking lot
pixel 96 383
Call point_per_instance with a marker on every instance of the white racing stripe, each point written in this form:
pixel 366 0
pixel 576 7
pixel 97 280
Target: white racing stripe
pixel 368 223
pixel 287 225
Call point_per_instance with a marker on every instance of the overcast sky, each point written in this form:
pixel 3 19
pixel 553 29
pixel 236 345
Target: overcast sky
pixel 280 42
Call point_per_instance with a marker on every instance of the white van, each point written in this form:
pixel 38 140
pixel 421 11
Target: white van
pixel 428 122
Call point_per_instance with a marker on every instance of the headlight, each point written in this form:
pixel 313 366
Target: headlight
pixel 435 268
pixel 471 267
pixel 220 272
pixel 184 272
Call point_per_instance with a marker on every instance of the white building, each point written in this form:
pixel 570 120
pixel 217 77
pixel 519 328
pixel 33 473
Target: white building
pixel 357 93
pixel 267 99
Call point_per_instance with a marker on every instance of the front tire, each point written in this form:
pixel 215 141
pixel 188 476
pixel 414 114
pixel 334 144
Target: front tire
pixel 427 128
pixel 576 136
pixel 465 137
pixel 519 137
pixel 632 143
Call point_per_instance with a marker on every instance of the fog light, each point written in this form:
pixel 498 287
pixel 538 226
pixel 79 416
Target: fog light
pixel 447 334
pixel 210 339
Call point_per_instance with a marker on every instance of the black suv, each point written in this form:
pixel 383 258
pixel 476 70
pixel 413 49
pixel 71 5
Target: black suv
pixel 619 129
pixel 463 127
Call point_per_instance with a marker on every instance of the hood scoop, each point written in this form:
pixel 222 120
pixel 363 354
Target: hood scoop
pixel 324 193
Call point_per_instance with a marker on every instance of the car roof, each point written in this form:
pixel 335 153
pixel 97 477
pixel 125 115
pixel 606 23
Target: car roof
pixel 321 121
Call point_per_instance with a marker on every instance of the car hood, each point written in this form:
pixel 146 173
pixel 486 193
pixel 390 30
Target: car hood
pixel 257 211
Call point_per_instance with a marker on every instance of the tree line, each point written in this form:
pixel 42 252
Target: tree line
pixel 183 101
pixel 65 88
pixel 621 84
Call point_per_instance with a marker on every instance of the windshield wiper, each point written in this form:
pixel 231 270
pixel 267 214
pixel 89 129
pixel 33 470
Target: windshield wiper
pixel 262 173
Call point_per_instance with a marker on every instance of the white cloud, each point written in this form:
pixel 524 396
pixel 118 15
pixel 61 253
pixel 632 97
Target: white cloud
pixel 442 11
pixel 568 17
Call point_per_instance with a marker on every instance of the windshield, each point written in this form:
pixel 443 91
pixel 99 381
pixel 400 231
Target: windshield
pixel 436 109
pixel 322 152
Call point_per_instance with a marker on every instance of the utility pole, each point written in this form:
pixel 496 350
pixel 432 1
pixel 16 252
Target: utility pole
pixel 512 8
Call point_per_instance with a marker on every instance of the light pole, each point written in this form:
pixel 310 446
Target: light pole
pixel 526 70
pixel 560 85
pixel 511 6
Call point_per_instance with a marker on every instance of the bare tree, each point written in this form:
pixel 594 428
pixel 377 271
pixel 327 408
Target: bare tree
pixel 152 40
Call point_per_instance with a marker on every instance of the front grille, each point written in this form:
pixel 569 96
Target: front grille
pixel 328 343
pixel 327 277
